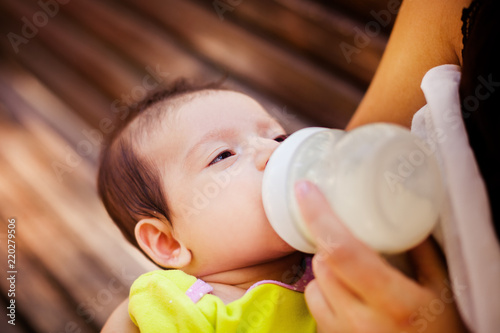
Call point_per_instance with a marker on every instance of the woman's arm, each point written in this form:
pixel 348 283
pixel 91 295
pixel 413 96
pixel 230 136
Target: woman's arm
pixel 426 34
pixel 119 321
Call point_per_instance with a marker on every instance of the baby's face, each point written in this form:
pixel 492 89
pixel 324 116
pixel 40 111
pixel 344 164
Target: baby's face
pixel 212 152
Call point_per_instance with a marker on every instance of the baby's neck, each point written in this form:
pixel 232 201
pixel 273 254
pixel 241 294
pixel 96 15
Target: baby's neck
pixel 231 285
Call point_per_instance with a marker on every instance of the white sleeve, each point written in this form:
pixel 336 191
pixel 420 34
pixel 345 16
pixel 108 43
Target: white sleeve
pixel 465 231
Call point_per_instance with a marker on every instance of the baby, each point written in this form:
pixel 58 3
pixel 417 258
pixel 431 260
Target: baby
pixel 227 270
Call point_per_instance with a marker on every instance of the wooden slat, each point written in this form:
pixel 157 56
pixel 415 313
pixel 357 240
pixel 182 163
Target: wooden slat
pixel 91 58
pixel 306 87
pixel 81 177
pixel 138 39
pixel 53 309
pixel 32 102
pixel 314 31
pixel 33 227
pixel 146 43
pixel 79 94
pixel 361 9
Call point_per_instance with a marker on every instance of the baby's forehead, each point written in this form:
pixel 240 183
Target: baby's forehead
pixel 186 116
pixel 219 107
pixel 151 120
pixel 199 103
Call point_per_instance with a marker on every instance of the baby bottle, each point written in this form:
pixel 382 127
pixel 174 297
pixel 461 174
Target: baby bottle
pixel 380 179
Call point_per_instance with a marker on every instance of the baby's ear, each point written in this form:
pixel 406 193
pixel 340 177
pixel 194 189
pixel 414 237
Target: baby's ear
pixel 157 240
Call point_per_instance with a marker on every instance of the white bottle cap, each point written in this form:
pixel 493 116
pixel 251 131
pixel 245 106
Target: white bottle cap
pixel 289 163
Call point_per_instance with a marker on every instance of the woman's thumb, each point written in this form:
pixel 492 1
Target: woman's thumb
pixel 316 211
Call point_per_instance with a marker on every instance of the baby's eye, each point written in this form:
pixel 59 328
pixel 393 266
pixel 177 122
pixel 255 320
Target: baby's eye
pixel 225 154
pixel 281 138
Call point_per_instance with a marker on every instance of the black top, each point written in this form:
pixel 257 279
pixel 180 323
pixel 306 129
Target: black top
pixel 480 93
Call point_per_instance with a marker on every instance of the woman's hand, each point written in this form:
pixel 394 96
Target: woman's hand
pixel 356 290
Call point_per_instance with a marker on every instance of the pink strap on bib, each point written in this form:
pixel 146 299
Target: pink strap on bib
pixel 199 289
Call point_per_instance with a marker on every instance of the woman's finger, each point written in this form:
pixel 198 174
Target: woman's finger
pixel 359 268
pixel 340 296
pixel 325 317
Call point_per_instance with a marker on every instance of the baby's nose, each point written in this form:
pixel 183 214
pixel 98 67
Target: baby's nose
pixel 265 149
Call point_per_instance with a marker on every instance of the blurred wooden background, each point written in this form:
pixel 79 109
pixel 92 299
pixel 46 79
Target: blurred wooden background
pixel 68 67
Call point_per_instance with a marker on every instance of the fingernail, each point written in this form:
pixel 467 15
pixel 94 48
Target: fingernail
pixel 303 188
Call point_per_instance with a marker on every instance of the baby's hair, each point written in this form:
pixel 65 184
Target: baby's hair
pixel 129 184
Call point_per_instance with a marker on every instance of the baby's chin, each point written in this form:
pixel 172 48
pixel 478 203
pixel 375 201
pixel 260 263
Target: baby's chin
pixel 280 244
pixel 278 249
pixel 286 248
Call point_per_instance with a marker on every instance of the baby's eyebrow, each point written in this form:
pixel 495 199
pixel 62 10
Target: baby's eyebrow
pixel 268 123
pixel 211 135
